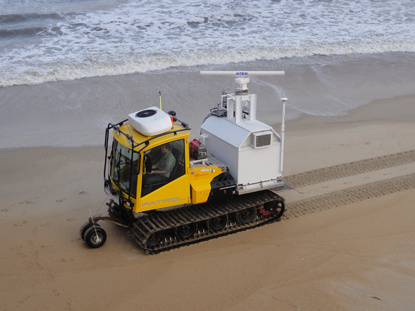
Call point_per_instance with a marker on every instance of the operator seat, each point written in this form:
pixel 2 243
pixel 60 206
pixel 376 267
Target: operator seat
pixel 174 171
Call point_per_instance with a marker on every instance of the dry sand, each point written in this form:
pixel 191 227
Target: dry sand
pixel 355 257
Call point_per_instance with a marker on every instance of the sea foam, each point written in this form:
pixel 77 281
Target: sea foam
pixel 71 42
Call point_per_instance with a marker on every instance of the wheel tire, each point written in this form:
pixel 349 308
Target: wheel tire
pixel 85 227
pixel 186 231
pixel 95 237
pixel 217 223
pixel 245 216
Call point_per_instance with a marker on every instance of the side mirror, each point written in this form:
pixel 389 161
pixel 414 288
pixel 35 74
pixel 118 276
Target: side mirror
pixel 148 164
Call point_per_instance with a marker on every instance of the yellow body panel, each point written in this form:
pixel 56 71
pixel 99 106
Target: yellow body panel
pixel 200 179
pixel 177 192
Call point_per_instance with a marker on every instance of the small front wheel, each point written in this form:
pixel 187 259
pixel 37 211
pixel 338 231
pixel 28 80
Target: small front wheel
pixel 95 237
pixel 85 227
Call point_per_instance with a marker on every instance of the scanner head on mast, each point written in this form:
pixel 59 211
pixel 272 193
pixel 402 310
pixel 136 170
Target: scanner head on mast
pixel 240 106
pixel 242 77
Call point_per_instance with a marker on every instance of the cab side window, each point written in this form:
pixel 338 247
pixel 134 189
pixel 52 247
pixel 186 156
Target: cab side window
pixel 167 164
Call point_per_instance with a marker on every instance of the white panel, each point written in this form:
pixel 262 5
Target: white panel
pixel 257 165
pixel 226 130
pixel 230 143
pixel 224 152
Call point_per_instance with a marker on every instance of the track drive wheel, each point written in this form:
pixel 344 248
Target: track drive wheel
pixel 217 223
pixel 270 208
pixel 245 216
pixel 186 231
pixel 85 227
pixel 154 239
pixel 95 237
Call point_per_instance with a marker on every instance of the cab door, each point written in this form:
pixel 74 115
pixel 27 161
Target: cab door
pixel 161 191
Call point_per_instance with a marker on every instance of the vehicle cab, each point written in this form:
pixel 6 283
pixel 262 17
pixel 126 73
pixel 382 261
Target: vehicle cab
pixel 129 166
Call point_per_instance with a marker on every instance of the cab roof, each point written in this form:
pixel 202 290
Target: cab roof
pixel 141 141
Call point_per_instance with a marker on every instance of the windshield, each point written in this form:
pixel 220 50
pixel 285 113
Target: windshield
pixel 121 169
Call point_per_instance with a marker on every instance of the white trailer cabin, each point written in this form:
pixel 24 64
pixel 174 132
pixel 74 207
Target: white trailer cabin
pixel 251 149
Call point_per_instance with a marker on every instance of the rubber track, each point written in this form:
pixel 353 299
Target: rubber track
pixel 145 226
pixel 299 208
pixel 349 169
pixel 348 196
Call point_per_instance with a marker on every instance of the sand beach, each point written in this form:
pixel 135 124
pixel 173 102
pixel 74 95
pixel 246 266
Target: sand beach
pixel 68 68
pixel 353 257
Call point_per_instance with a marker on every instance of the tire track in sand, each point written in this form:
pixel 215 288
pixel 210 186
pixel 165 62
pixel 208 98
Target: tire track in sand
pixel 349 169
pixel 348 196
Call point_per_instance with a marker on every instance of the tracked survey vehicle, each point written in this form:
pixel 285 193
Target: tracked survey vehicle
pixel 169 191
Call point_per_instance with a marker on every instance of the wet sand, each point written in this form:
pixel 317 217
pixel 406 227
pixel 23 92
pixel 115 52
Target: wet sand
pixel 354 257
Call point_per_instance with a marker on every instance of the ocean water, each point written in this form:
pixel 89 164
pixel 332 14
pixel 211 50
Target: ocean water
pixel 54 40
pixel 67 67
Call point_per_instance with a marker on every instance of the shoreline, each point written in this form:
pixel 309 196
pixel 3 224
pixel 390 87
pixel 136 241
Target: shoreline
pixel 74 113
pixel 354 257
pixel 375 111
